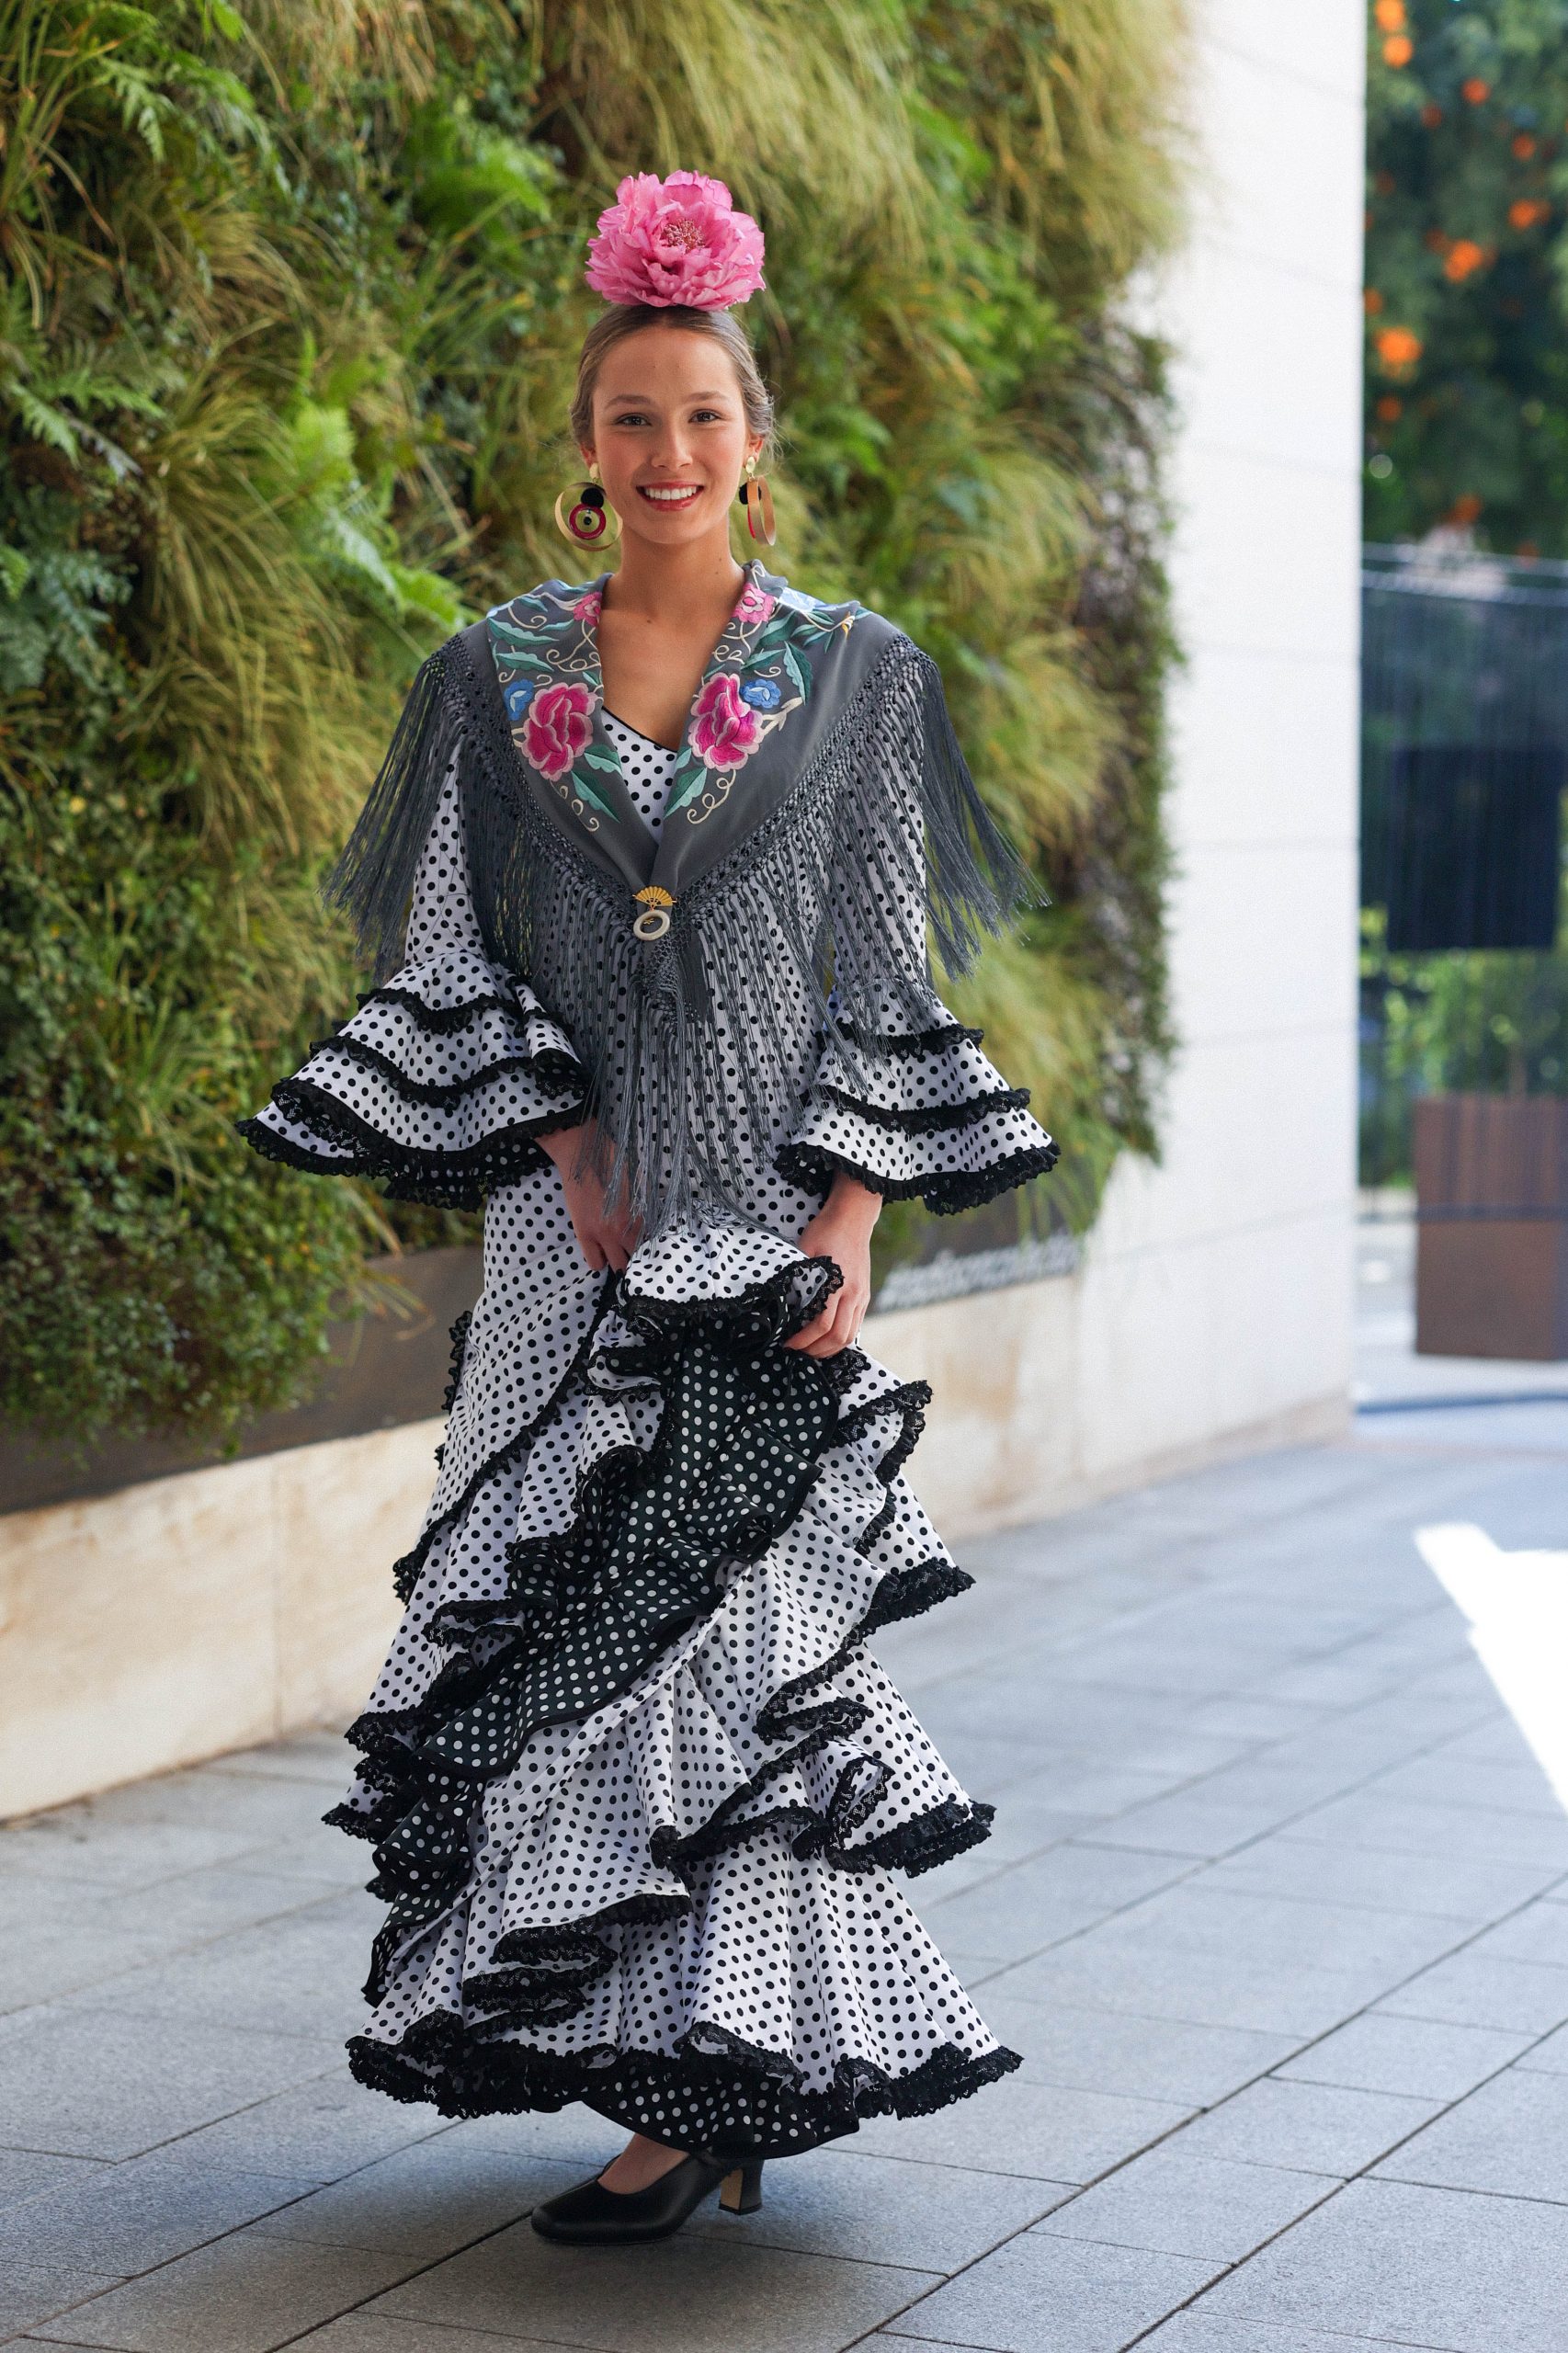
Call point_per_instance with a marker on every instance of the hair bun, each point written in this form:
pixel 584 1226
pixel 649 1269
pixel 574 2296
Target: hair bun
pixel 674 241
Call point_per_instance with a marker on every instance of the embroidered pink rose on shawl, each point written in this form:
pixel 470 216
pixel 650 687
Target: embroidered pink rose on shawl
pixel 723 730
pixel 558 726
pixel 676 240
pixel 755 606
pixel 588 608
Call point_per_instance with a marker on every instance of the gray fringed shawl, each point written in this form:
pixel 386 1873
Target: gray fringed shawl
pixel 820 814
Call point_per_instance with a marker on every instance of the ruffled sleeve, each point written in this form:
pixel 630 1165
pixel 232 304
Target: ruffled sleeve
pixel 444 1080
pixel 901 1095
pixel 927 1116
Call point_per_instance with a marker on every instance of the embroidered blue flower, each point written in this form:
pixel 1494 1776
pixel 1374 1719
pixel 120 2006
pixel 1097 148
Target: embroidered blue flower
pixel 762 694
pixel 520 694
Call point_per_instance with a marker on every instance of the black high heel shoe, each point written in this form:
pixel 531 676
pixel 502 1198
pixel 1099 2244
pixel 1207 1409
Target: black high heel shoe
pixel 591 2214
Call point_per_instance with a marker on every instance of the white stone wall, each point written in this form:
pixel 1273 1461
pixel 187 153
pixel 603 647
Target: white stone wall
pixel 1213 1308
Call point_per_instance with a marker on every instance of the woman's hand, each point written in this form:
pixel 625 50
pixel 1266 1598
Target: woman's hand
pixel 841 1231
pixel 606 1235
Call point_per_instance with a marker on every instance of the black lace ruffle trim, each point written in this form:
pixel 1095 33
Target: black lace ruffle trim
pixel 812 1166
pixel 442 1179
pixel 908 1041
pixel 442 1021
pixel 554 1072
pixel 926 1118
pixel 715 2092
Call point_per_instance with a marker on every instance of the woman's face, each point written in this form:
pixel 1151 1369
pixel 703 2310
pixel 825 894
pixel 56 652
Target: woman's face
pixel 670 434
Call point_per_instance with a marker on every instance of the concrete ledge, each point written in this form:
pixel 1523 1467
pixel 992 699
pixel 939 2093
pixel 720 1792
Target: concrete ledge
pixel 185 1616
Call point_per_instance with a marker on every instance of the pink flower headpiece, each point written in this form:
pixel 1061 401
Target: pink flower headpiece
pixel 677 240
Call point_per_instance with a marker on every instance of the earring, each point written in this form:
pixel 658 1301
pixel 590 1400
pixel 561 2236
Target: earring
pixel 757 499
pixel 590 521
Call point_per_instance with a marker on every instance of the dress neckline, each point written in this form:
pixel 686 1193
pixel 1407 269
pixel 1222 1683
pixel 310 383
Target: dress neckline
pixel 673 750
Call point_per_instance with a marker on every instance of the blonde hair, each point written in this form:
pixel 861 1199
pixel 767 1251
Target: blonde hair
pixel 630 318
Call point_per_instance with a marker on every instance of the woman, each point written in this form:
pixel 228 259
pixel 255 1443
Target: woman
pixel 634 1782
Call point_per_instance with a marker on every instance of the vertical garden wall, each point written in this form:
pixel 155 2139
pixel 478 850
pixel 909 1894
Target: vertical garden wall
pixel 292 295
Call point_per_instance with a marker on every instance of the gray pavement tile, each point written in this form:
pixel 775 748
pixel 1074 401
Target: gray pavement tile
pixel 1101 1788
pixel 1484 1989
pixel 1211 1818
pixel 1041 2130
pixel 29 2173
pixel 61 1936
pixel 1550 2054
pixel 1115 2051
pixel 1176 2203
pixel 245 2294
pixel 34 2292
pixel 574 2135
pixel 1310 2128
pixel 38 1965
pixel 1038 2294
pixel 1426 2058
pixel 1412 2267
pixel 1029 1904
pixel 1227 1957
pixel 322 1758
pixel 1277 1932
pixel 1240 1715
pixel 1497 1742
pixel 299 1974
pixel 317 2131
pixel 1454 1887
pixel 1511 2137
pixel 1368 1818
pixel 1489 1784
pixel 90 2083
pixel 380 2333
pixel 1198 2330
pixel 76 1844
pixel 132 2216
pixel 314 1852
pixel 427 2199
pixel 260 1806
pixel 1538 1933
pixel 683 2294
pixel 889 2209
pixel 1216 1988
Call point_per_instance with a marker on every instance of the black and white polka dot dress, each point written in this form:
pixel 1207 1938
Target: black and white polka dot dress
pixel 636 1782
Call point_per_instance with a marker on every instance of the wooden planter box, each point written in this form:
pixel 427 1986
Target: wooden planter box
pixel 1491 1226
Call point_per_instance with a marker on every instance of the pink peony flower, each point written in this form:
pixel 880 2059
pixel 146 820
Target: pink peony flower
pixel 723 730
pixel 677 240
pixel 558 726
pixel 755 605
pixel 589 609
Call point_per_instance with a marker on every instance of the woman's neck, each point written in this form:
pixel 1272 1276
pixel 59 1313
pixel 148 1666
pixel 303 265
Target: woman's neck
pixel 650 580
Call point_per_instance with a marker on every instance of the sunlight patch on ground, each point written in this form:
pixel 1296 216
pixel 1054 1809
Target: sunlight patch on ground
pixel 1517 1606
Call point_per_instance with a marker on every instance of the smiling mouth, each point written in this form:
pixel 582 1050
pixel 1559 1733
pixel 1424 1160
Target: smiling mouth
pixel 673 497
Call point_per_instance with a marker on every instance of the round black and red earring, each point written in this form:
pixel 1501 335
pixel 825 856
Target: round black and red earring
pixel 590 521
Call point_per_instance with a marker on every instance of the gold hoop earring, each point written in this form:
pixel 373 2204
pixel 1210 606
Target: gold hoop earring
pixel 590 521
pixel 757 499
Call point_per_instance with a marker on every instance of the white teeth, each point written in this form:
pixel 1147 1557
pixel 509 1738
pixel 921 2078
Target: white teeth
pixel 673 497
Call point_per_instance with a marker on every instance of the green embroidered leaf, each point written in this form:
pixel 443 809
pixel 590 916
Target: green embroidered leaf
pixel 605 761
pixel 585 791
pixel 801 676
pixel 686 789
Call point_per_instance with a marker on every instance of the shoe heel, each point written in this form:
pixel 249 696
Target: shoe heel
pixel 741 2192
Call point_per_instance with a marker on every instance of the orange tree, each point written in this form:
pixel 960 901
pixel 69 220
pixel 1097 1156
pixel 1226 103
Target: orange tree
pixel 1467 271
